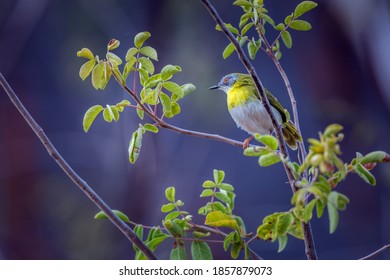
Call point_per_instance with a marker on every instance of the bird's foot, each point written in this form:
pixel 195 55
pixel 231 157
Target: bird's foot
pixel 246 142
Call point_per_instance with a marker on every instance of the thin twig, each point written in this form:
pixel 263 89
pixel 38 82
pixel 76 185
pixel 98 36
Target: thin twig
pixel 376 252
pixel 308 236
pixel 80 183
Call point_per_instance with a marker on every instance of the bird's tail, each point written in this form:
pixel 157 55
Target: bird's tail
pixel 291 135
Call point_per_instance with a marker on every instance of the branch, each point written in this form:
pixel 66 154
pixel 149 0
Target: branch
pixel 308 236
pixel 80 183
pixel 376 252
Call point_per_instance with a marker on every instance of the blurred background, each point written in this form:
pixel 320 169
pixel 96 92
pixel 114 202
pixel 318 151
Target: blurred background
pixel 339 71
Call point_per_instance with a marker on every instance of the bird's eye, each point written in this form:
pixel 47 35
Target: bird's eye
pixel 225 81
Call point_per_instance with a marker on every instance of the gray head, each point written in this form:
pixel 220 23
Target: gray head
pixel 226 82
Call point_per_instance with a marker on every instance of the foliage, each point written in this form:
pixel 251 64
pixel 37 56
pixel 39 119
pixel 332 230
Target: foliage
pixel 315 178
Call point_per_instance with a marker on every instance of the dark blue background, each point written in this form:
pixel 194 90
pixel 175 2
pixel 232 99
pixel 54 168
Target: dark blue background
pixel 339 73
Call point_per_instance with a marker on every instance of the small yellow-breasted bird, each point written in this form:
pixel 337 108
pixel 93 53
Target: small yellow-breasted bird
pixel 249 113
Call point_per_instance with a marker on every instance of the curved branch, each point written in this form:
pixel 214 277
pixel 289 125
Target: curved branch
pixel 376 252
pixel 308 236
pixel 80 183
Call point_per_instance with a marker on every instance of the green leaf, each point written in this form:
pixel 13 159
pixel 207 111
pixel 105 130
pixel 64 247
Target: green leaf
pixel 320 206
pixel 242 3
pixel 146 64
pixel 377 156
pixel 140 113
pixel 151 127
pixel 268 140
pixel 114 59
pixel 256 151
pixel 187 89
pixel 282 239
pixel 220 219
pixel 113 44
pixel 308 211
pixel 219 175
pixel 228 240
pixel 267 160
pixel 98 75
pixel 332 211
pixel 300 25
pixel 280 27
pixel 170 194
pixel 90 116
pixel 149 52
pixel 172 215
pixel 175 108
pixel 200 250
pixel 167 207
pixel 130 54
pixel 228 26
pixel 102 216
pixel 178 253
pixel 286 38
pixel 244 19
pixel 267 18
pixel 304 7
pixel 332 129
pixel 174 88
pixel 139 231
pixel 121 105
pixel 140 38
pixel 86 69
pixel 296 229
pixel 364 174
pixel 288 19
pixel 166 103
pixel 225 186
pixel 135 145
pixel 208 184
pixel 245 29
pixel 206 193
pixel 228 51
pixel 153 243
pixel 173 227
pixel 252 49
pixel 168 71
pixel 85 53
pixel 223 197
pixel 283 222
pixel 143 76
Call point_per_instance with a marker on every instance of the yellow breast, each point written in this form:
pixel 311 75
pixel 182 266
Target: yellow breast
pixel 239 95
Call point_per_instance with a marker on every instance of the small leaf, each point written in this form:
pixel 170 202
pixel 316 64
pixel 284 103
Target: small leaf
pixel 90 116
pixel 140 38
pixel 135 145
pixel 223 197
pixel 130 54
pixel 225 186
pixel 187 88
pixel 172 215
pixel 178 253
pixel 332 211
pixel 166 103
pixel 219 175
pixel 206 193
pixel 268 140
pixel 267 160
pixel 113 44
pixel 228 51
pixel 304 7
pixel 86 69
pixel 102 216
pixel 308 211
pixel 245 29
pixel 149 52
pixel 252 50
pixel 167 207
pixel 256 151
pixel 220 219
pixel 146 64
pixel 228 26
pixel 242 3
pixel 140 113
pixel 174 88
pixel 283 222
pixel 200 250
pixel 168 71
pixel 377 156
pixel 98 76
pixel 330 130
pixel 286 38
pixel 365 174
pixel 86 53
pixel 170 194
pixel 280 27
pixel 288 19
pixel 300 25
pixel 282 239
pixel 296 229
pixel 114 59
pixel 228 240
pixel 236 249
pixel 151 127
pixel 173 227
pixel 208 184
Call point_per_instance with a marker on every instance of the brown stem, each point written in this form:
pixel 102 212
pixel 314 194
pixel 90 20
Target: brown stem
pixel 80 183
pixel 308 236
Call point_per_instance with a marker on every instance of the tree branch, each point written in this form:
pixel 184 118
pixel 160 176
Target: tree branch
pixel 80 183
pixel 376 252
pixel 308 236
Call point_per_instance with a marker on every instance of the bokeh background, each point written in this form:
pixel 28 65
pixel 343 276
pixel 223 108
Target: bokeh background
pixel 340 72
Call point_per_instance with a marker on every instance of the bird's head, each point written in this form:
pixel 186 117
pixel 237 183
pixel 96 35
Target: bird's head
pixel 226 82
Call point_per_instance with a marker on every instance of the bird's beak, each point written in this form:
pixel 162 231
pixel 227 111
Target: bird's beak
pixel 213 87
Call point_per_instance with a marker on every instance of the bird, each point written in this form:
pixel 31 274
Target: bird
pixel 248 112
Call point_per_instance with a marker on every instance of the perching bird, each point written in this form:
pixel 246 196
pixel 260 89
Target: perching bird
pixel 249 113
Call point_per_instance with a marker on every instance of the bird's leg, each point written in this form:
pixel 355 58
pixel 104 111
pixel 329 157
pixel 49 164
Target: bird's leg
pixel 246 142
